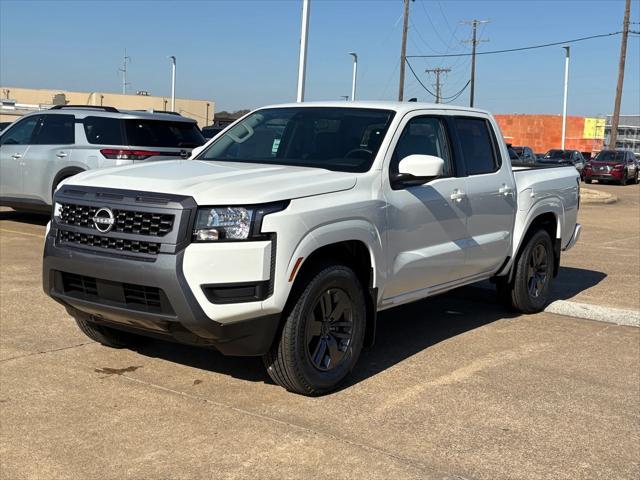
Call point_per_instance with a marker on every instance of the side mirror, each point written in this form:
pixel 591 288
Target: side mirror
pixel 196 151
pixel 417 170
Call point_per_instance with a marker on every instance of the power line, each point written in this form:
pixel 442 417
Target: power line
pixel 450 98
pixel 508 50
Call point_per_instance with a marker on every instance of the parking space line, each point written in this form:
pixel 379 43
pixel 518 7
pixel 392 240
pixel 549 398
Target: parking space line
pixel 21 233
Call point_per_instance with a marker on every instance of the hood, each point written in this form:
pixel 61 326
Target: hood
pixel 211 183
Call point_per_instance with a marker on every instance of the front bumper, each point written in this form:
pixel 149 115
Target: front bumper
pixel 196 294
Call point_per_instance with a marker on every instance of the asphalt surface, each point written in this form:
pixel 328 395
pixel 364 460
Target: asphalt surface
pixel 456 387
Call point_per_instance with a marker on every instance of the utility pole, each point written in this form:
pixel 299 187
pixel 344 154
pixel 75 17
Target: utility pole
pixel 403 50
pixel 124 72
pixel 302 62
pixel 437 72
pixel 615 120
pixel 566 94
pixel 474 42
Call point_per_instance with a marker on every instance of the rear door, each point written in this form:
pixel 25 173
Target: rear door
pixel 50 152
pixel 14 147
pixel 490 190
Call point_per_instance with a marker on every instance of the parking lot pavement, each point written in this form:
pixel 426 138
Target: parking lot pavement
pixel 456 387
pixel 607 257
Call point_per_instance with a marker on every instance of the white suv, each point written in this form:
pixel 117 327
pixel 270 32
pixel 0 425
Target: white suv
pixel 44 148
pixel 295 225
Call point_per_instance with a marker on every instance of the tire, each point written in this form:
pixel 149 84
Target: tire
pixel 109 337
pixel 533 276
pixel 636 179
pixel 623 181
pixel 316 351
pixel 588 180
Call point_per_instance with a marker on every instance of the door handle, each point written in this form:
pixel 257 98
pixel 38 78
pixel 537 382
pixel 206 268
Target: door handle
pixel 506 191
pixel 61 154
pixel 458 196
pixel 16 156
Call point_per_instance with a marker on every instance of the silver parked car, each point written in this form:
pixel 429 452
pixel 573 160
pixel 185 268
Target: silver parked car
pixel 43 148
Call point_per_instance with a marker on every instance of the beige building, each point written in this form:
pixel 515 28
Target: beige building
pixel 15 101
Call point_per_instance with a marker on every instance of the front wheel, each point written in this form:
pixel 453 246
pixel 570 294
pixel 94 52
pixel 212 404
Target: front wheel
pixel 323 334
pixel 624 179
pixel 588 180
pixel 530 289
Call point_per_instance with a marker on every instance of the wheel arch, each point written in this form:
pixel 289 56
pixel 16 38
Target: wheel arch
pixel 354 244
pixel 548 219
pixel 63 174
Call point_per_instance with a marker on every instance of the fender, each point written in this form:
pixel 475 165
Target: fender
pixel 524 219
pixel 342 231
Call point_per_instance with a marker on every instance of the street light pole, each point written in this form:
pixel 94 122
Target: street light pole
pixel 566 93
pixel 355 74
pixel 302 62
pixel 173 83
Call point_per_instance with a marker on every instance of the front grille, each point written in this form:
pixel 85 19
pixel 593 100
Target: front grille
pixel 135 297
pixel 148 297
pixel 120 244
pixel 126 221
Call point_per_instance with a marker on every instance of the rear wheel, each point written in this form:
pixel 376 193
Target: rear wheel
pixel 109 337
pixel 323 333
pixel 531 285
pixel 636 178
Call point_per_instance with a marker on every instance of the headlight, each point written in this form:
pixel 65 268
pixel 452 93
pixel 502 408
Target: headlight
pixel 233 223
pixel 223 223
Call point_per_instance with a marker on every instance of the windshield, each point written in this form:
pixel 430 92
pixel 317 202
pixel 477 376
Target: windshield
pixel 341 139
pixel 609 156
pixel 558 155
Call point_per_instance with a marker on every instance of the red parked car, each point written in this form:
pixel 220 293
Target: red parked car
pixel 612 165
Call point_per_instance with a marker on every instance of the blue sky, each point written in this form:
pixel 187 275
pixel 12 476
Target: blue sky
pixel 244 53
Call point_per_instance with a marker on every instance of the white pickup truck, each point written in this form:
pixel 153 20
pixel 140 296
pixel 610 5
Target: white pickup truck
pixel 288 231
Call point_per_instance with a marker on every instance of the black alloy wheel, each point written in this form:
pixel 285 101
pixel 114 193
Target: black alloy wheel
pixel 329 331
pixel 537 272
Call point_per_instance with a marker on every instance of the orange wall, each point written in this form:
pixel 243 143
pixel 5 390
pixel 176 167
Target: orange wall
pixel 543 132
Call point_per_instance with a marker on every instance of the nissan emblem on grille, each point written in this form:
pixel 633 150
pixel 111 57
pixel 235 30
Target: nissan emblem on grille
pixel 104 220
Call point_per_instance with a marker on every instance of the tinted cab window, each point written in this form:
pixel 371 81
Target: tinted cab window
pixel 423 136
pixel 477 145
pixel 55 130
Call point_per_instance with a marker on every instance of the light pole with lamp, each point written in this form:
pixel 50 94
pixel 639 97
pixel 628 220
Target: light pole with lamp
pixel 355 75
pixel 566 93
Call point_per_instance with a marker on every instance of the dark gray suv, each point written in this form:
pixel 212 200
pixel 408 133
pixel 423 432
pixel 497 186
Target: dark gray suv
pixel 43 148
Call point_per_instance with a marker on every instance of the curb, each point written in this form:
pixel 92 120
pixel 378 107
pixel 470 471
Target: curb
pixel 589 196
pixel 630 318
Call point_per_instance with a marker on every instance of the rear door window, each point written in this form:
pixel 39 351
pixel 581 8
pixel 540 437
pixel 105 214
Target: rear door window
pixel 158 133
pixel 478 147
pixel 55 130
pixel 104 131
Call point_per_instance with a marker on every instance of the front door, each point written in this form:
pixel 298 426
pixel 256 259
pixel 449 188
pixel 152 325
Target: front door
pixel 49 153
pixel 14 146
pixel 426 223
